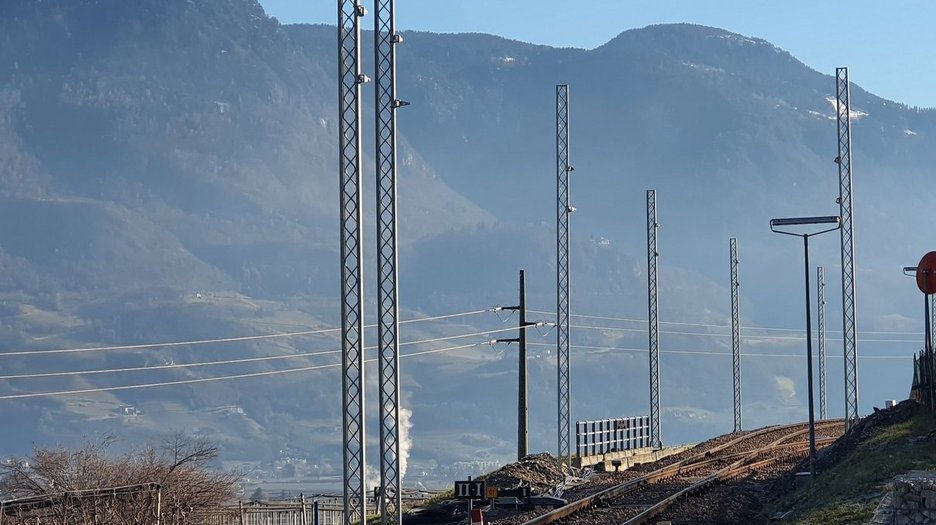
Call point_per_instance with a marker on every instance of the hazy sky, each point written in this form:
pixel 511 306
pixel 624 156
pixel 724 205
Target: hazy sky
pixel 888 46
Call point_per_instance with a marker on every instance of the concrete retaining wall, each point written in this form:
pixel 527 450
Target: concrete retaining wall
pixel 628 458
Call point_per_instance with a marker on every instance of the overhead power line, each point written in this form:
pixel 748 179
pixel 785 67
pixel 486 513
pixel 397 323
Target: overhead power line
pixel 710 353
pixel 219 378
pixel 236 361
pixel 758 337
pixel 166 367
pixel 712 325
pixel 222 339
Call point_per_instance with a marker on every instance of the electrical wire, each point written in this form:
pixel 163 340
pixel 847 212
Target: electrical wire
pixel 213 379
pixel 749 337
pixel 709 325
pixel 166 367
pixel 223 339
pixel 233 361
pixel 707 352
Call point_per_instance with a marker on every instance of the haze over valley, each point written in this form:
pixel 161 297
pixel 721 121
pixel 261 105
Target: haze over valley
pixel 168 174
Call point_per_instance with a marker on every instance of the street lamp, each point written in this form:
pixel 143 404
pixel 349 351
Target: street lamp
pixel 805 221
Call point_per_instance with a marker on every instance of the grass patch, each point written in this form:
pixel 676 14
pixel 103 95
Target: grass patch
pixel 440 497
pixel 849 491
pixel 840 513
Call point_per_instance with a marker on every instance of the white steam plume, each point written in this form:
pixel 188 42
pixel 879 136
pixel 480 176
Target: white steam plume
pixel 405 423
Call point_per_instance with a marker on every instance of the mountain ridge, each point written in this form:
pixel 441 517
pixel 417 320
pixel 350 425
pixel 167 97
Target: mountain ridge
pixel 180 184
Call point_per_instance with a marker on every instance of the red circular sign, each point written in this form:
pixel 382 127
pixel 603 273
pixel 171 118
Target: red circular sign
pixel 926 273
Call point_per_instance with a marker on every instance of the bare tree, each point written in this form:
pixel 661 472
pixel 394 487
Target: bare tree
pixel 170 483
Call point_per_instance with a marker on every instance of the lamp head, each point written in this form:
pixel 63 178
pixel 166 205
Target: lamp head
pixel 799 221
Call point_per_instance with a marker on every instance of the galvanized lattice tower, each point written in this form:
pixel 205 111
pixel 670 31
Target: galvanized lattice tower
pixel 735 333
pixel 563 285
pixel 820 285
pixel 350 79
pixel 653 307
pixel 849 318
pixel 386 105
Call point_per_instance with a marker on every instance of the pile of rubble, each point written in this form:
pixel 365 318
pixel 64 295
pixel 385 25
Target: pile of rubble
pixel 540 472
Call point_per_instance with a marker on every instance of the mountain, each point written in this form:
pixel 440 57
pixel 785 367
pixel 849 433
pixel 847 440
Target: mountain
pixel 168 174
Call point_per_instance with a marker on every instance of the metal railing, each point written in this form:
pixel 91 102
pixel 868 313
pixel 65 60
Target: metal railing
pixel 272 513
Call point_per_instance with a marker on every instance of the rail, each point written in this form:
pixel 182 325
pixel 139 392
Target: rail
pixel 692 463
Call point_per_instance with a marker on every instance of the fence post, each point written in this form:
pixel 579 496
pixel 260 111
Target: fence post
pixel 315 512
pixel 302 510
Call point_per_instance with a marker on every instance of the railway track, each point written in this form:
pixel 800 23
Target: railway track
pixel 638 495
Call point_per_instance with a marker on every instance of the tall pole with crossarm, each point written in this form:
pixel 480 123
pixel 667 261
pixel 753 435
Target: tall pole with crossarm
pixel 820 293
pixel 653 308
pixel 386 104
pixel 846 212
pixel 563 284
pixel 350 79
pixel 735 333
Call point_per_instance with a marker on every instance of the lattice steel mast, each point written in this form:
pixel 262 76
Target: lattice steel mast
pixel 563 285
pixel 735 334
pixel 849 317
pixel 820 294
pixel 653 307
pixel 386 104
pixel 350 79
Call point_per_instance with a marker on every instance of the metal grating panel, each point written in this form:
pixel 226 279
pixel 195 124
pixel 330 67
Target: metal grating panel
pixel 386 105
pixel 653 307
pixel 735 334
pixel 563 285
pixel 611 435
pixel 846 212
pixel 352 356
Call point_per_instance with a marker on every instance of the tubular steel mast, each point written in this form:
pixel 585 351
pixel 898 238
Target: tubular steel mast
pixel 563 285
pixel 386 104
pixel 849 318
pixel 820 293
pixel 735 334
pixel 352 327
pixel 653 307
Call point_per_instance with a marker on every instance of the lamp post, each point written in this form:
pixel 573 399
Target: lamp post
pixel 805 221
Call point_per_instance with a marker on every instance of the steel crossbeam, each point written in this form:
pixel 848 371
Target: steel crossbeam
pixel 849 317
pixel 563 285
pixel 653 307
pixel 735 334
pixel 352 327
pixel 386 104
